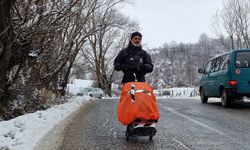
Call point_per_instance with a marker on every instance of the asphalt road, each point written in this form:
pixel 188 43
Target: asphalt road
pixel 184 124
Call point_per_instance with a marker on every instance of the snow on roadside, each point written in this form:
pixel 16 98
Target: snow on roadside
pixel 182 92
pixel 24 132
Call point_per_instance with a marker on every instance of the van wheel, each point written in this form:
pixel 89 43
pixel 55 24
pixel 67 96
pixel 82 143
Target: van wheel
pixel 225 98
pixel 204 98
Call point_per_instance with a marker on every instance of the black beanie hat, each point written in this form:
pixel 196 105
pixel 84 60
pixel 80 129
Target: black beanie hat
pixel 136 34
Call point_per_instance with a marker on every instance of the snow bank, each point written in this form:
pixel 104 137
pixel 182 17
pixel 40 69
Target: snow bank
pixel 183 92
pixel 24 132
pixel 177 92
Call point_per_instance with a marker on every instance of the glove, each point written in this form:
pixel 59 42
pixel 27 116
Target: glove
pixel 147 68
pixel 117 66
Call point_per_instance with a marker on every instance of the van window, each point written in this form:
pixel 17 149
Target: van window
pixel 213 66
pixel 217 64
pixel 225 62
pixel 242 59
pixel 208 66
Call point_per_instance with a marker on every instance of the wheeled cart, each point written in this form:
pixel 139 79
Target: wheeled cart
pixel 141 129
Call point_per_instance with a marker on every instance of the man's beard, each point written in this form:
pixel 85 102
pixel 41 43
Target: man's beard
pixel 136 45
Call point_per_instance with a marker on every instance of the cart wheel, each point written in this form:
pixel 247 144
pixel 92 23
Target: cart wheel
pixel 127 138
pixel 127 134
pixel 151 137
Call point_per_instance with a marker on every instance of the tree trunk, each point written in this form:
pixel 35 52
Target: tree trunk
pixel 106 85
pixel 5 48
pixel 67 74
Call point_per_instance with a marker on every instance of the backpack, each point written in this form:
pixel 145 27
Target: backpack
pixel 137 102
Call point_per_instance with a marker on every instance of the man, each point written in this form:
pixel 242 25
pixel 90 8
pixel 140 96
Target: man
pixel 133 60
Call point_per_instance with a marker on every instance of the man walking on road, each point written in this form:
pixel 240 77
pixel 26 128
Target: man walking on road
pixel 133 61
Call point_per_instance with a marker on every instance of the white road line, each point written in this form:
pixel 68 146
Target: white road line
pixel 175 140
pixel 180 143
pixel 106 122
pixel 193 120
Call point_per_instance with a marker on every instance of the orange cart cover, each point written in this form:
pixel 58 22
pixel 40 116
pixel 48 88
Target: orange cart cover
pixel 137 102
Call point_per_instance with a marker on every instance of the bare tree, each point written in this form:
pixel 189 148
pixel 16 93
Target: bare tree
pixel 57 41
pixel 40 40
pixel 232 22
pixel 103 45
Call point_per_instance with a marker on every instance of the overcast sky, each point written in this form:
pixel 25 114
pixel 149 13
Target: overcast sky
pixel 163 21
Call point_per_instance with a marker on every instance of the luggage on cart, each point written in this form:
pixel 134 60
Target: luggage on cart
pixel 138 109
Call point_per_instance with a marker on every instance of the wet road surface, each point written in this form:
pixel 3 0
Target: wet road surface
pixel 184 124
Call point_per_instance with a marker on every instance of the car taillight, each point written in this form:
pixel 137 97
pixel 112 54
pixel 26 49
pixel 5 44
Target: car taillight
pixel 232 82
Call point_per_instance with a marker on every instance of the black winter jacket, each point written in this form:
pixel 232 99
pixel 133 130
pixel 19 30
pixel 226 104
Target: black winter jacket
pixel 133 60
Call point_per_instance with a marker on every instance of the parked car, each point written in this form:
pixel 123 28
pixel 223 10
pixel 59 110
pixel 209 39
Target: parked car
pixel 163 92
pixel 226 76
pixel 182 85
pixel 92 92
